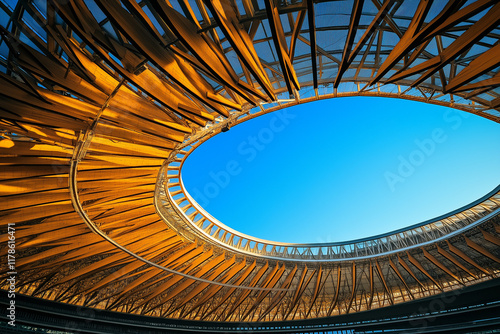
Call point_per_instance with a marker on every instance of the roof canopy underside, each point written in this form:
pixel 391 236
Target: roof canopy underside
pixel 97 94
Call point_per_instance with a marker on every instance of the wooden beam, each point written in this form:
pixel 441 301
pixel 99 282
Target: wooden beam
pixel 354 287
pixel 270 281
pixel 477 31
pixel 491 237
pixel 281 48
pixel 205 50
pixel 407 41
pixel 441 266
pixel 353 28
pixel 296 31
pixel 278 297
pixel 177 69
pixel 316 289
pixel 481 249
pixel 452 19
pixel 382 279
pixel 160 90
pixel 480 87
pixel 335 298
pixel 370 29
pixel 485 62
pixel 312 39
pixel 388 18
pixel 244 294
pixel 299 290
pixel 409 271
pixel 398 273
pixel 454 261
pixel 240 41
pixel 248 271
pixel 369 305
pixel 222 265
pixel 419 266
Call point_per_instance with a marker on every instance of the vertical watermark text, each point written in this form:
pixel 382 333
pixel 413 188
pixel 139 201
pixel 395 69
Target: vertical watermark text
pixel 12 274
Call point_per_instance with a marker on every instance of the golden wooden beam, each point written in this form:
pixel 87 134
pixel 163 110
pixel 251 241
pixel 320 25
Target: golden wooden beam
pixel 353 28
pixel 481 249
pixel 478 30
pixel 281 48
pixel 312 38
pixel 419 266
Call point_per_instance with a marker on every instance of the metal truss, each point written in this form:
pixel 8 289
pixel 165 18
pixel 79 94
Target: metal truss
pixel 97 94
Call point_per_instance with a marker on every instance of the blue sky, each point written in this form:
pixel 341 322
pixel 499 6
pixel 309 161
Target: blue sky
pixel 345 168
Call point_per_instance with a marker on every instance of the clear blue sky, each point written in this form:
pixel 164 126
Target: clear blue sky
pixel 345 168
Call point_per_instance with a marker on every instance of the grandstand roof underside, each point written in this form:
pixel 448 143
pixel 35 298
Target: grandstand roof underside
pixel 100 100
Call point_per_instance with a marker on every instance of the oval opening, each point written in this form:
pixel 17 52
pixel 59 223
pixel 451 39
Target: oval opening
pixel 344 169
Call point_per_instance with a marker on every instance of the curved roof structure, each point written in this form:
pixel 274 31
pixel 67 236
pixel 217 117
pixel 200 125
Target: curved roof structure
pixel 102 100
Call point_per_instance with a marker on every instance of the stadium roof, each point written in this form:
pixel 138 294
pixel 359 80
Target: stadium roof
pixel 102 101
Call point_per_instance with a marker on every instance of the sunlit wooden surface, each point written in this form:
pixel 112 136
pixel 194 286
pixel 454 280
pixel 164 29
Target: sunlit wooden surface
pixel 95 96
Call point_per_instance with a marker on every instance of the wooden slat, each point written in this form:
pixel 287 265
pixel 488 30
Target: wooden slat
pixel 312 40
pixel 478 30
pixel 351 34
pixel 491 238
pixel 481 249
pixel 421 268
pixel 281 48
pixel 431 258
pixel 398 273
pixel 240 41
pixel 453 260
pixel 384 282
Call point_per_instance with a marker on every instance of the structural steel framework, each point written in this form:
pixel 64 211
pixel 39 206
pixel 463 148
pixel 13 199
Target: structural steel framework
pixel 102 100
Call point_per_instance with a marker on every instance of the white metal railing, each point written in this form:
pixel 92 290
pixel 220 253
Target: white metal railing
pixel 191 221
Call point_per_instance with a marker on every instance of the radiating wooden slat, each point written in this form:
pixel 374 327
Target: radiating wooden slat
pixel 465 257
pixel 453 260
pixel 431 258
pixel 175 279
pixel 481 249
pixel 240 41
pixel 244 294
pixel 212 290
pixel 280 295
pixel 419 266
pixel 137 85
pixel 314 295
pixel 384 282
pixel 177 69
pixel 312 39
pixel 301 286
pixel 398 273
pixel 281 48
pixel 478 30
pixel 408 40
pixel 248 271
pixel 491 238
pixel 353 26
pixel 334 301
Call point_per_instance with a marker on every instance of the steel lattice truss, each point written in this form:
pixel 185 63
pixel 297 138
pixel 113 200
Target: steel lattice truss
pixel 95 96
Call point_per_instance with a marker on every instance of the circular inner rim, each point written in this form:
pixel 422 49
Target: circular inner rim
pixel 415 235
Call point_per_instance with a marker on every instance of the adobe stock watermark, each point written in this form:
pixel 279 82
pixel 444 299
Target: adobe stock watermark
pixel 12 273
pixel 424 149
pixel 248 150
